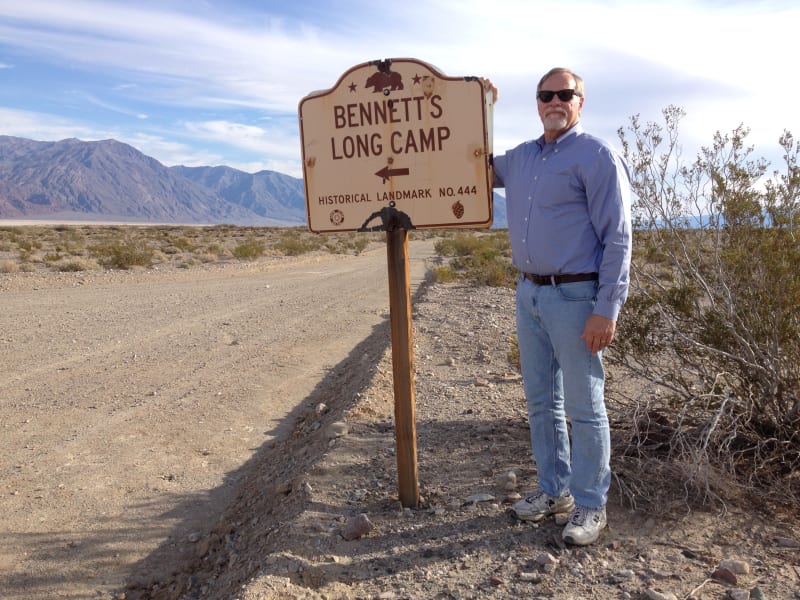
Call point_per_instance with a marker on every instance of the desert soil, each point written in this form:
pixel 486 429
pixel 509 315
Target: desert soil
pixel 216 432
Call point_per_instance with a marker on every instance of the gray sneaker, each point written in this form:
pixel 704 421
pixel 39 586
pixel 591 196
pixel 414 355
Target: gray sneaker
pixel 584 526
pixel 539 505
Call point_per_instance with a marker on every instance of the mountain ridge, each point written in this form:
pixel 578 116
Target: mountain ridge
pixel 113 180
pixel 109 180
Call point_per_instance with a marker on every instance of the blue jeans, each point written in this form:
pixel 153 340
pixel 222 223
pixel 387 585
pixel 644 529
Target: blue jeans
pixel 561 378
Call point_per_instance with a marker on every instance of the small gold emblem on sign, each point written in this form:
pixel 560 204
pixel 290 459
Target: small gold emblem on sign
pixel 337 217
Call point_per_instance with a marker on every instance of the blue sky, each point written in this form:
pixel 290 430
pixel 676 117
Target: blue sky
pixel 218 83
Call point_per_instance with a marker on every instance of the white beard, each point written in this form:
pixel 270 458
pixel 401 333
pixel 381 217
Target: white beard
pixel 555 121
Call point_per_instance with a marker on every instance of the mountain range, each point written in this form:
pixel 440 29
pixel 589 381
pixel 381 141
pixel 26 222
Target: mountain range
pixel 112 181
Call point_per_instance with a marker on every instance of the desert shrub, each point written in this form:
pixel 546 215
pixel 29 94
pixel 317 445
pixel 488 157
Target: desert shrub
pixel 292 242
pixel 183 243
pixel 123 254
pixel 28 244
pixel 462 244
pixel 214 251
pixel 513 353
pixel 442 274
pixel 712 318
pixel 360 244
pixel 333 244
pixel 26 255
pixel 483 259
pixel 9 266
pixel 495 273
pixel 249 249
pixel 68 266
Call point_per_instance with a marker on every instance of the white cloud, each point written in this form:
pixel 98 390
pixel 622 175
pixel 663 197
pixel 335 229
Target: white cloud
pixel 114 108
pixel 724 62
pixel 173 53
pixel 279 140
pixel 169 152
pixel 44 127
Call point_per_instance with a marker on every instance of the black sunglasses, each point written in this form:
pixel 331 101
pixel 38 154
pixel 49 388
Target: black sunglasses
pixel 563 95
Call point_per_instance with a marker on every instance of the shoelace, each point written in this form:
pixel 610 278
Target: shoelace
pixel 579 515
pixel 534 497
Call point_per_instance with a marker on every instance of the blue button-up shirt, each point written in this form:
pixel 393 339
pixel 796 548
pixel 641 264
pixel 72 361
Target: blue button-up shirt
pixel 568 205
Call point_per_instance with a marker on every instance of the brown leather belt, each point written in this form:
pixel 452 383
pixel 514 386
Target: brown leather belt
pixel 559 279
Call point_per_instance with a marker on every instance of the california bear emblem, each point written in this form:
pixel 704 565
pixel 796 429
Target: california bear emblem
pixel 382 80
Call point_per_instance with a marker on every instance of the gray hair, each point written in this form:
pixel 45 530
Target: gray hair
pixel 557 71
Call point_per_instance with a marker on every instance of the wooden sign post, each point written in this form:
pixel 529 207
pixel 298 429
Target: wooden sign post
pixel 397 145
pixel 402 366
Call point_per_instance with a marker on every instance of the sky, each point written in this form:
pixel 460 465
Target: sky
pixel 213 82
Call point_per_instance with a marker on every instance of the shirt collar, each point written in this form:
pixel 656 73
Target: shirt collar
pixel 573 131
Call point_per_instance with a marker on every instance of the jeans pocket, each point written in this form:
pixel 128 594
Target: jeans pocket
pixel 580 291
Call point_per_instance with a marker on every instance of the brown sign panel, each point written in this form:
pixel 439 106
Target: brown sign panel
pixel 397 135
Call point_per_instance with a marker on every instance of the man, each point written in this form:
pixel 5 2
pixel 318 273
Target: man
pixel 568 198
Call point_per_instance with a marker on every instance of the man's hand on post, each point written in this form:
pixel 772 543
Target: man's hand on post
pixel 489 87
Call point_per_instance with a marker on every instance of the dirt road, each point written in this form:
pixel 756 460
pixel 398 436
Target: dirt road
pixel 128 399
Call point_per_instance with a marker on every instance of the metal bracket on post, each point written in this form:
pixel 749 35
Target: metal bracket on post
pixel 384 65
pixel 391 219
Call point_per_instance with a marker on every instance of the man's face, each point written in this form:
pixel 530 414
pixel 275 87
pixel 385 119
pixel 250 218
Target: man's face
pixel 558 116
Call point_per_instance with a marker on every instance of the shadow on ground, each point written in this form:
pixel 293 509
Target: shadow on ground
pixel 268 490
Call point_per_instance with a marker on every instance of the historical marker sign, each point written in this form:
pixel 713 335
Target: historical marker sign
pixel 397 133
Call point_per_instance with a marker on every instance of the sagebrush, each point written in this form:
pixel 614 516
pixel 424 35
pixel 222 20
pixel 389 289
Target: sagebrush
pixel 712 318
